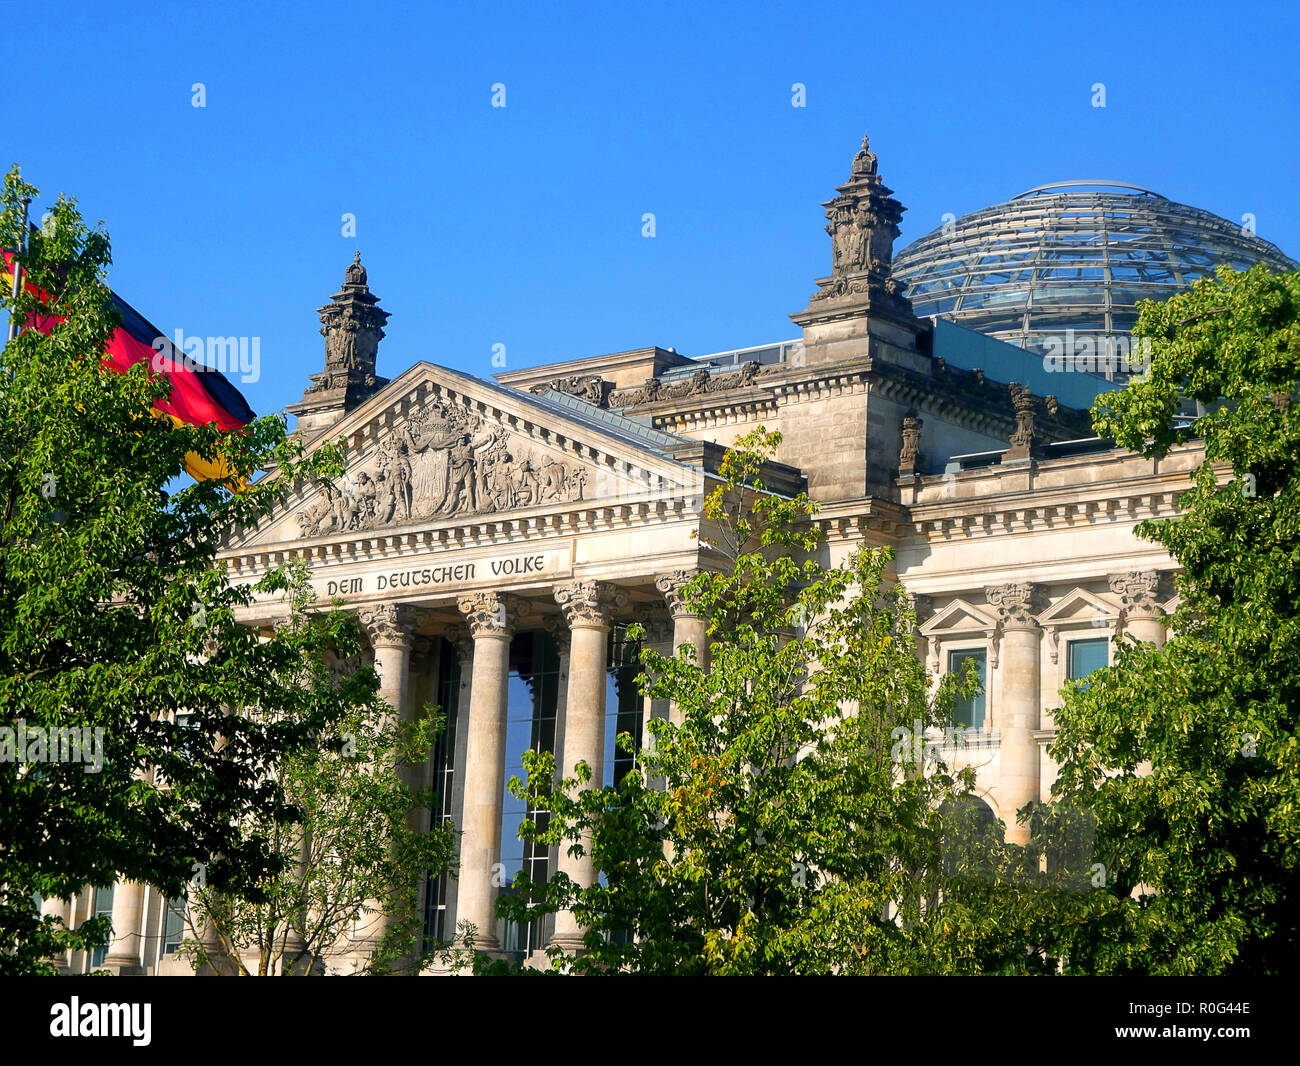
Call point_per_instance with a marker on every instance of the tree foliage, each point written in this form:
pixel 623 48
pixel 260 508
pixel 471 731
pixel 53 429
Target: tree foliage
pixel 1185 757
pixel 352 858
pixel 114 616
pixel 776 824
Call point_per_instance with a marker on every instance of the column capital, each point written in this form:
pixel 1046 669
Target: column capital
pixel 390 625
pixel 457 635
pixel 671 585
pixel 492 613
pixel 589 604
pixel 657 622
pixel 554 625
pixel 1015 603
pixel 1138 592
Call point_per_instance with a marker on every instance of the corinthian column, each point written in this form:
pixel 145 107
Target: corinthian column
pixel 490 617
pixel 1139 591
pixel 689 626
pixel 1017 713
pixel 391 629
pixel 587 606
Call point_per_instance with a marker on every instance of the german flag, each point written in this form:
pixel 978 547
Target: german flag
pixel 199 394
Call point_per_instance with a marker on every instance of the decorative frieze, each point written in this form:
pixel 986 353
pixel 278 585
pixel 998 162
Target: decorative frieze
pixel 589 387
pixel 700 383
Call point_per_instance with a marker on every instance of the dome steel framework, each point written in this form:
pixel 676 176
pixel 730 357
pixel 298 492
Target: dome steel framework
pixel 1071 260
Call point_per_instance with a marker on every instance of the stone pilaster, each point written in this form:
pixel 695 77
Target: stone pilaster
pixel 491 620
pixel 1141 615
pixel 587 607
pixel 1017 713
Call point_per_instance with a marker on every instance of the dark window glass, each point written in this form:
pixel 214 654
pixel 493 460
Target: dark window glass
pixel 447 696
pixel 969 712
pixel 531 702
pixel 1086 656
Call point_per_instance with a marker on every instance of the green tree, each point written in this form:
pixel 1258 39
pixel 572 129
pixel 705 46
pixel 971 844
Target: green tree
pixel 115 618
pixel 1185 757
pixel 790 817
pixel 352 857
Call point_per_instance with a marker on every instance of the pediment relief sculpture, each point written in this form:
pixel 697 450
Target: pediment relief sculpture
pixel 443 460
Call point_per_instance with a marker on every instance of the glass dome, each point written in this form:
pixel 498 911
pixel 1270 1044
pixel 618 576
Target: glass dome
pixel 1070 261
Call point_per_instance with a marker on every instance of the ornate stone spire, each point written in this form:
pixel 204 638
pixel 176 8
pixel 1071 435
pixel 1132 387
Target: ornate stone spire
pixel 862 222
pixel 352 325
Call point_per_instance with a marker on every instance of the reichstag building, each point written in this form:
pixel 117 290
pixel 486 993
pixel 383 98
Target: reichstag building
pixel 496 538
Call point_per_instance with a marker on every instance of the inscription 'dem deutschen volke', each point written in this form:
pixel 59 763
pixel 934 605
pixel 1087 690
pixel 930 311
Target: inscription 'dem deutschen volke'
pixel 446 574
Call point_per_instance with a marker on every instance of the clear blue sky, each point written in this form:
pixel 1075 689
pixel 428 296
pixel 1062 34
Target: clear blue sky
pixel 522 226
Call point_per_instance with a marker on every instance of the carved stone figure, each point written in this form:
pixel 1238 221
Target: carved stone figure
pixel 444 459
pixel 1023 439
pixel 911 449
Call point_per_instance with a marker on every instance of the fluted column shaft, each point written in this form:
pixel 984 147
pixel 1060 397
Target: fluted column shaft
pixel 124 949
pixel 490 617
pixel 587 606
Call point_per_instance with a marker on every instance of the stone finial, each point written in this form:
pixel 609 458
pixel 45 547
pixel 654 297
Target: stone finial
pixel 862 222
pixel 491 613
pixel 352 324
pixel 389 625
pixel 1015 604
pixel 672 586
pixel 864 163
pixel 356 273
pixel 1138 592
pixel 911 450
pixel 589 603
pixel 1024 442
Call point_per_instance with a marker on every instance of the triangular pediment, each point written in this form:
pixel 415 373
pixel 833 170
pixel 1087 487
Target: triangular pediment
pixel 957 618
pixel 1078 607
pixel 436 447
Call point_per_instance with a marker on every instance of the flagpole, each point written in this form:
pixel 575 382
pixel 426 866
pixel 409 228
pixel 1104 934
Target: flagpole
pixel 22 248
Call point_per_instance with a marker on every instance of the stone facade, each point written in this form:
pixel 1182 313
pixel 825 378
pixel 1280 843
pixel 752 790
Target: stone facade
pixel 556 504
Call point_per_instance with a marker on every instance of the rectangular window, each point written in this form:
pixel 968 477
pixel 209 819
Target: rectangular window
pixel 1085 656
pixel 623 703
pixel 531 705
pixel 173 925
pixel 969 712
pixel 103 905
pixel 444 772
